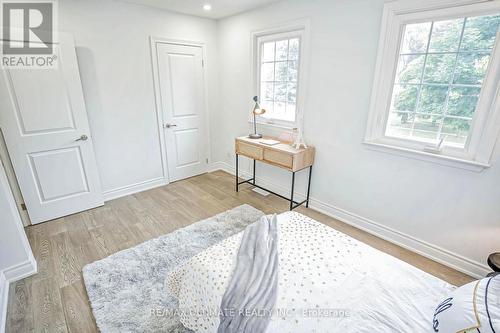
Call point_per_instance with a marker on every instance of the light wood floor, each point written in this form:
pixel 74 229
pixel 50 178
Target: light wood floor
pixel 55 300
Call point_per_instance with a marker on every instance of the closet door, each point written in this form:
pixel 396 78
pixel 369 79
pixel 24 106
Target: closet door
pixel 183 109
pixel 47 133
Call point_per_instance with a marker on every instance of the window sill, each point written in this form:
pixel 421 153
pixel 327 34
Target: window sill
pixel 428 157
pixel 287 128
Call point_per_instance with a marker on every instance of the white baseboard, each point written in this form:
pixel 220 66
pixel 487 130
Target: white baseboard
pixel 431 251
pixel 220 166
pixel 428 250
pixel 20 271
pixel 8 276
pixel 133 188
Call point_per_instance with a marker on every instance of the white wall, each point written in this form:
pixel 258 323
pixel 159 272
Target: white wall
pixel 451 214
pixel 16 258
pixel 113 50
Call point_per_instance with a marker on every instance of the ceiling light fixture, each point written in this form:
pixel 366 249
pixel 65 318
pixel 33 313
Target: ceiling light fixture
pixel 207 7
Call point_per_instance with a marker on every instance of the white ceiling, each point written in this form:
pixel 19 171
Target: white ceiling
pixel 220 8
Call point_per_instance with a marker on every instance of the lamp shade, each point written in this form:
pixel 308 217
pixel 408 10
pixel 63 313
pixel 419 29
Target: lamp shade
pixel 257 110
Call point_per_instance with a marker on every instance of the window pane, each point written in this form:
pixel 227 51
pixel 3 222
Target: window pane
pixel 290 113
pixel 432 99
pixel 267 72
pixel 439 68
pixel 280 92
pixel 268 106
pixel 410 68
pixel 401 119
pixel 282 50
pixel 480 32
pixel 471 68
pixel 455 130
pixel 281 71
pixel 292 70
pixel 398 132
pixel 463 101
pixel 266 91
pixel 426 126
pixel 268 52
pixel 279 110
pixel 416 38
pixel 293 49
pixel 405 98
pixel 291 93
pixel 400 124
pixel 446 36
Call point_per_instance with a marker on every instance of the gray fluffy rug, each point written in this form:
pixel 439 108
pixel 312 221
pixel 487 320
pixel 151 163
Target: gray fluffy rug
pixel 127 286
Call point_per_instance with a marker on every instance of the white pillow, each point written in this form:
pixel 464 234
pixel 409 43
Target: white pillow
pixel 474 307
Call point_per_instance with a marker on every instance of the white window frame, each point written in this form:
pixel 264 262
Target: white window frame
pixel 296 29
pixel 486 122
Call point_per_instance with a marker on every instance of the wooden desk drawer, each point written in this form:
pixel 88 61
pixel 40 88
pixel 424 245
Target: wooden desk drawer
pixel 278 157
pixel 251 151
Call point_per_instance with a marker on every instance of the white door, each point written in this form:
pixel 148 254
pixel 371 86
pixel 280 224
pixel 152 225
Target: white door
pixel 46 129
pixel 182 102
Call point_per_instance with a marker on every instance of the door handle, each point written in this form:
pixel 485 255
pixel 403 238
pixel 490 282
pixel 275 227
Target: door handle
pixel 82 138
pixel 168 125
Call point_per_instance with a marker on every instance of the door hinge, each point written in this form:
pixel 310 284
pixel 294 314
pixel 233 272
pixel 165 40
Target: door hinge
pixel 23 206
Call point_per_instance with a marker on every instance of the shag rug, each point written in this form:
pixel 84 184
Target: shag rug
pixel 126 290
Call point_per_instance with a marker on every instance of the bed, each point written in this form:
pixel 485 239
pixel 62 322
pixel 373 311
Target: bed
pixel 327 282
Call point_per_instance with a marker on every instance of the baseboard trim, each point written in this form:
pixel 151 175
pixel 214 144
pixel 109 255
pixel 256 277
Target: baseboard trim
pixel 8 276
pixel 215 166
pixel 20 271
pixel 428 250
pixel 133 188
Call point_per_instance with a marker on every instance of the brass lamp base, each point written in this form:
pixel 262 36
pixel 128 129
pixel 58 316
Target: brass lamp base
pixel 255 136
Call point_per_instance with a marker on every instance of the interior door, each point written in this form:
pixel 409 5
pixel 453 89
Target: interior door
pixel 182 101
pixel 47 133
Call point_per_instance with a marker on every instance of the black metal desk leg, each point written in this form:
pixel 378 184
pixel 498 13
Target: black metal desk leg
pixel 293 186
pixel 309 186
pixel 254 172
pixel 236 172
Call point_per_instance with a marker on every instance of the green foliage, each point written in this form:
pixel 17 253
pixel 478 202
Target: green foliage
pixel 445 36
pixel 480 32
pixel 443 83
pixel 405 98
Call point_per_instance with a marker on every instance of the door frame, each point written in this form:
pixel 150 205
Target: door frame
pixel 12 179
pixel 154 40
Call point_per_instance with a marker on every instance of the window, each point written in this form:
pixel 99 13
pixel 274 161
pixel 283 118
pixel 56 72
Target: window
pixel 278 72
pixel 437 94
pixel 279 66
pixel 441 69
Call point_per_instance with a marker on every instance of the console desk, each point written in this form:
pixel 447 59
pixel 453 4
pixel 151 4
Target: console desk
pixel 281 155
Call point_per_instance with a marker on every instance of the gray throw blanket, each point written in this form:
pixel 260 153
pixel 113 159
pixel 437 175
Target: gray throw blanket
pixel 250 297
